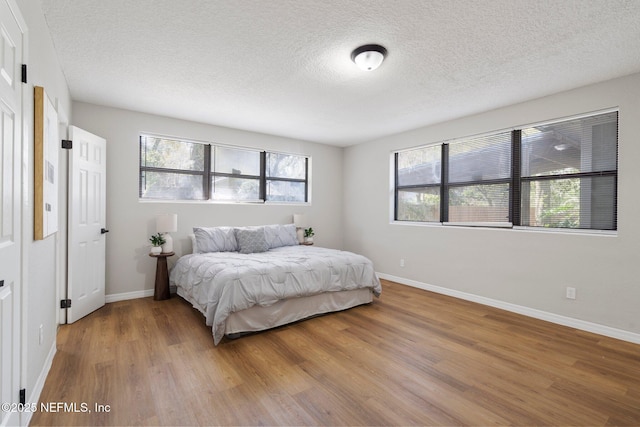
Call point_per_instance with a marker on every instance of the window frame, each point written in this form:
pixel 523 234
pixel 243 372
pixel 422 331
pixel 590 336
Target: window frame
pixel 142 169
pixel 515 182
pixel 580 175
pixel 398 188
pixel 213 173
pixel 448 185
pixel 208 173
pixel 268 178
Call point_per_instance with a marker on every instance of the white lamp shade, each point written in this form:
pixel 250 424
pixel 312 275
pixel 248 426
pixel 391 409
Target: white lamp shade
pixel 298 220
pixel 369 60
pixel 167 223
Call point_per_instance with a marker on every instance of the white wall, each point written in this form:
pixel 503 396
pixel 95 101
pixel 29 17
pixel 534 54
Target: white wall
pixel 131 222
pixel 524 268
pixel 43 260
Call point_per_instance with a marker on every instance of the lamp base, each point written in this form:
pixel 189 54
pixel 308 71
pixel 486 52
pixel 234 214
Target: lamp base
pixel 168 243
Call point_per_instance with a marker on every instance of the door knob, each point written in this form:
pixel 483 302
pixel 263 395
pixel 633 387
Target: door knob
pixel 103 231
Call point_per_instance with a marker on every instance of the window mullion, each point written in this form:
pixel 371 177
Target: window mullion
pixel 568 176
pixel 444 184
pixel 167 170
pixel 273 178
pixel 234 175
pixel 480 182
pixel 263 176
pixel 306 179
pixel 206 178
pixel 515 202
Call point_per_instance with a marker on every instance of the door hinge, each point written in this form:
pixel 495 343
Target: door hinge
pixel 67 143
pixel 65 303
pixel 24 73
pixel 23 396
pixel 1 283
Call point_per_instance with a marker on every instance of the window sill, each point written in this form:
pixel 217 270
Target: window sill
pixel 455 224
pixel 222 202
pixel 571 231
pixel 508 225
pixel 479 224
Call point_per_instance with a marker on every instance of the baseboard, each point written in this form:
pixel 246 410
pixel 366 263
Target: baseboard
pixel 34 397
pixel 526 311
pixel 129 295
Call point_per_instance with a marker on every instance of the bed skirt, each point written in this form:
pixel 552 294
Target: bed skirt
pixel 259 318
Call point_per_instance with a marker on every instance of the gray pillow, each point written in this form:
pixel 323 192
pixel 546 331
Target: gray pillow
pixel 251 240
pixel 215 239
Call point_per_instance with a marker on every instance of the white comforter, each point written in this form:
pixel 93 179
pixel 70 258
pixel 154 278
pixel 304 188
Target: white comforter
pixel 225 282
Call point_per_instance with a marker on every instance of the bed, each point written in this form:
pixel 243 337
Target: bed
pixel 249 279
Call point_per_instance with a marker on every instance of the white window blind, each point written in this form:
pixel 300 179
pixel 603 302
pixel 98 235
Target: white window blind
pixel 569 173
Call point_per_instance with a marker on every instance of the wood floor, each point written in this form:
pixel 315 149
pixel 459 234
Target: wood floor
pixel 410 358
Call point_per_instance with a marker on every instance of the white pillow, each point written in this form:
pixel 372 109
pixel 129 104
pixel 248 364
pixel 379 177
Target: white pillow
pixel 215 239
pixel 280 235
pixel 194 244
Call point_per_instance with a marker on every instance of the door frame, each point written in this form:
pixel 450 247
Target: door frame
pixel 63 217
pixel 25 228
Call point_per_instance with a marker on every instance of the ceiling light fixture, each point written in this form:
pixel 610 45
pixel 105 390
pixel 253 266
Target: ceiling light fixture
pixel 369 57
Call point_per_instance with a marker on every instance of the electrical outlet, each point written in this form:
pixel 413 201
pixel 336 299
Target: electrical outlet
pixel 401 262
pixel 571 292
pixel 41 335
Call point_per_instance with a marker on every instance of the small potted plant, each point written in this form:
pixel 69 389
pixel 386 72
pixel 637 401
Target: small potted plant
pixel 157 241
pixel 308 235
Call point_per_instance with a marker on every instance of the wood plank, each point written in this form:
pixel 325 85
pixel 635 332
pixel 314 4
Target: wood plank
pixel 410 358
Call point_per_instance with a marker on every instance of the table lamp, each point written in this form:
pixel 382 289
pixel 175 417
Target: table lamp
pixel 165 224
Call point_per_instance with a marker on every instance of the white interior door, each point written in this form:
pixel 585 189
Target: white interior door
pixel 10 209
pixel 87 212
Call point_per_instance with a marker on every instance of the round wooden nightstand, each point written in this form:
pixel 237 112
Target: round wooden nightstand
pixel 161 291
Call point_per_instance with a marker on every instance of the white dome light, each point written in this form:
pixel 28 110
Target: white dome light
pixel 369 57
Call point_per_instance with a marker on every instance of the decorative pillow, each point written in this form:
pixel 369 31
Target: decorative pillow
pixel 215 239
pixel 251 240
pixel 280 235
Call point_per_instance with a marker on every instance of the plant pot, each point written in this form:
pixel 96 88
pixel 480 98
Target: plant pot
pixel 308 239
pixel 156 250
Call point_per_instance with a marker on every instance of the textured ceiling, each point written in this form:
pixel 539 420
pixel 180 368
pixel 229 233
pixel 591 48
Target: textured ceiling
pixel 283 67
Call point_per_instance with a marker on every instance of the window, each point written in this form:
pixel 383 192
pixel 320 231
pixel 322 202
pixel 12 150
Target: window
pixel 479 179
pixel 418 184
pixel 286 177
pixel 235 174
pixel 172 169
pixel 569 173
pixel 558 175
